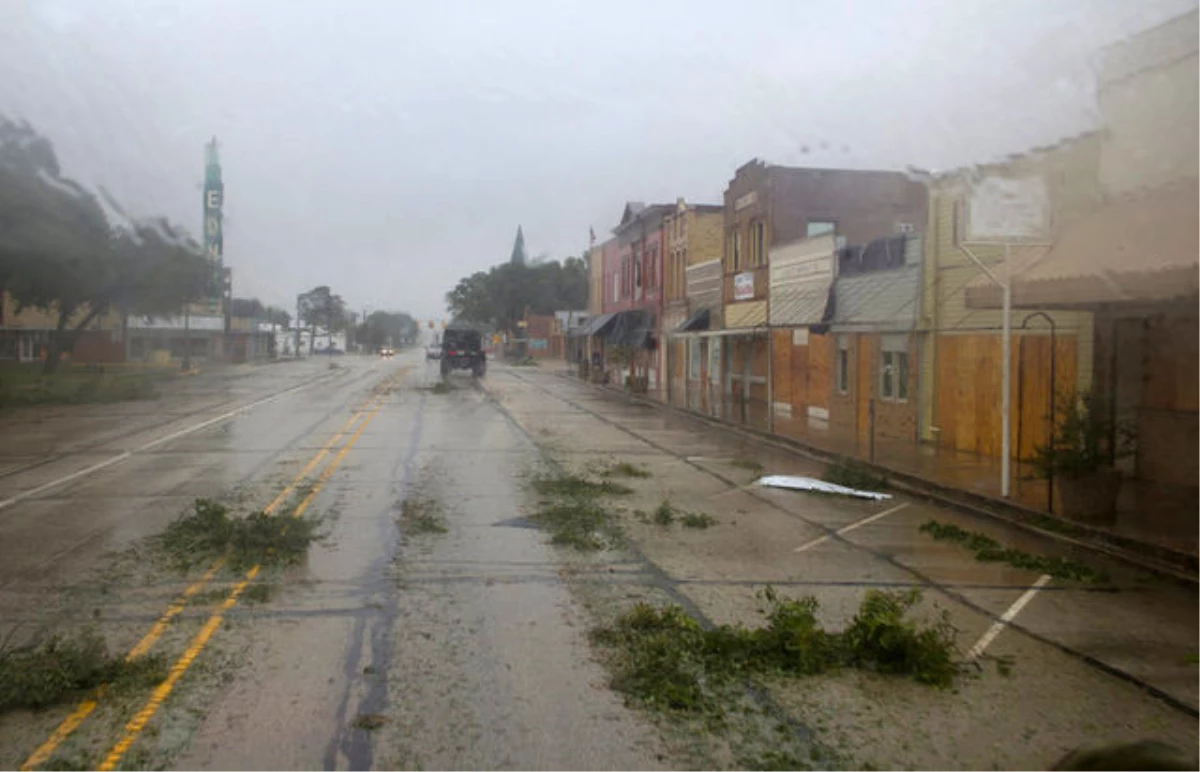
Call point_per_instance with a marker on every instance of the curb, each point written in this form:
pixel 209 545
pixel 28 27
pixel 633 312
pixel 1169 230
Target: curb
pixel 1179 567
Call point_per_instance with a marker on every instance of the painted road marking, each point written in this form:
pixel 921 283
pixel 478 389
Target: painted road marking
pixel 163 690
pixel 1007 617
pixel 138 722
pixel 153 444
pixel 87 706
pixel 847 529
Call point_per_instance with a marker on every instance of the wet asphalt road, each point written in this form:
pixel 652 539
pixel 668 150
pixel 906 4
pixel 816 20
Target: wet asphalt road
pixel 467 647
pixel 488 673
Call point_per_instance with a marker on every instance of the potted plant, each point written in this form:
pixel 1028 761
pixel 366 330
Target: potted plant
pixel 1080 458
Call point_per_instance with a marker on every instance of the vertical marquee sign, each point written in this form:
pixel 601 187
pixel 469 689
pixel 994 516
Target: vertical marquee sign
pixel 214 241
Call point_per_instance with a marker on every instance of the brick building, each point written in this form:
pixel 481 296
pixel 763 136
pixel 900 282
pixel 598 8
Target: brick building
pixel 638 305
pixel 768 205
pixel 874 351
pixel 693 246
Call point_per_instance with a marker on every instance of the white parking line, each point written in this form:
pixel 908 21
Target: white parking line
pixel 152 444
pixel 851 527
pixel 1007 617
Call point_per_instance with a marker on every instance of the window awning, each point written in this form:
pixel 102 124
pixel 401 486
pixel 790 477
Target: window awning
pixel 632 328
pixel 696 322
pixel 1140 249
pixel 596 325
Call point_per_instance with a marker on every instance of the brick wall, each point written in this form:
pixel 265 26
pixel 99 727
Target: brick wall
pixel 843 405
pixel 704 236
pixel 894 419
pixel 785 200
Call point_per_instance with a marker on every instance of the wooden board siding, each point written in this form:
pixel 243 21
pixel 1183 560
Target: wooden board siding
pixel 969 390
pixel 820 377
pixel 1031 387
pixel 801 372
pixel 781 367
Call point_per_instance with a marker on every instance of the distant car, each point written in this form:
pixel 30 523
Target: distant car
pixel 387 351
pixel 433 352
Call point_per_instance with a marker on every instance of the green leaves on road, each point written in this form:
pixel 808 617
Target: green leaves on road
pixel 988 550
pixel 854 475
pixel 211 532
pixel 573 512
pixel 419 515
pixel 664 659
pixel 64 668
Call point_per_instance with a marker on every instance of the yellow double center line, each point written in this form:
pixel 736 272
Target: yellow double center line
pixel 135 726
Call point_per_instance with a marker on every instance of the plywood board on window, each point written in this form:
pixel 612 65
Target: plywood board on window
pixel 799 374
pixel 781 366
pixel 969 390
pixel 1031 387
pixel 820 377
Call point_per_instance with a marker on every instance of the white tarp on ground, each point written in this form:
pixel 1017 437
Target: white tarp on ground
pixel 820 486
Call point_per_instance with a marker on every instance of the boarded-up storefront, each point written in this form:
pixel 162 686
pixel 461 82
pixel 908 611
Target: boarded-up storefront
pixel 876 353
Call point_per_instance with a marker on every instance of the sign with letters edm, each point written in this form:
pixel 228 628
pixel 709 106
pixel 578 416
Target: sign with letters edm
pixel 214 238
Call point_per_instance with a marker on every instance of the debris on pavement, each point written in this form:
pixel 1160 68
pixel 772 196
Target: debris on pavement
pixel 818 486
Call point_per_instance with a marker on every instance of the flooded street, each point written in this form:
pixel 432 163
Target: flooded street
pixel 433 625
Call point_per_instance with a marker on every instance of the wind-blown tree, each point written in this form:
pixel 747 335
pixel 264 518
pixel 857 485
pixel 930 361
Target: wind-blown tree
pixel 278 316
pixel 384 327
pixel 59 253
pixel 323 309
pixel 500 295
pixel 247 308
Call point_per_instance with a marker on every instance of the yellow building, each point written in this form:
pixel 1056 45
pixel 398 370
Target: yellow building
pixel 961 352
pixel 692 292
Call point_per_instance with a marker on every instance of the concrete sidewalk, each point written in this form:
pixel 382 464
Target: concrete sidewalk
pixel 1149 528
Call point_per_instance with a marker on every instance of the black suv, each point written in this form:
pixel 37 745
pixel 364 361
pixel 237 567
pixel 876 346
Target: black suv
pixel 462 349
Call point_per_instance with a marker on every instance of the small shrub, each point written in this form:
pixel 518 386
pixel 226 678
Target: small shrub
pixel 210 531
pixel 574 514
pixel 369 722
pixel 63 668
pixel 663 658
pixel 660 657
pixel 664 515
pixel 881 639
pixel 575 486
pixel 584 525
pixel 854 475
pixel 420 515
pixel 625 469
pixel 698 520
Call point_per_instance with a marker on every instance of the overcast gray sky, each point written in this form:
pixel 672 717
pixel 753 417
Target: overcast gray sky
pixel 387 148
